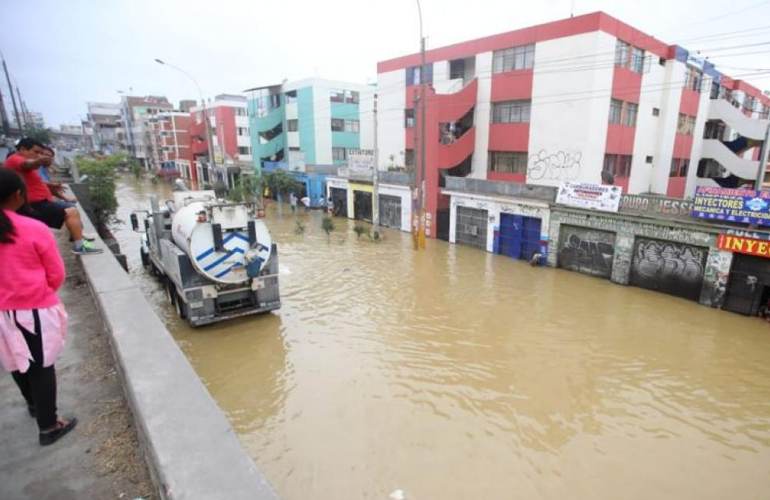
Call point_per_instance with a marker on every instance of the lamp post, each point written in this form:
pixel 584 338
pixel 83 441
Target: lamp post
pixel 209 141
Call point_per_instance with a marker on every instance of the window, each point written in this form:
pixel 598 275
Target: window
pixel 351 97
pixel 339 154
pixel 618 165
pixel 511 111
pixel 457 69
pixel 674 171
pixel 637 60
pixel 685 125
pixel 292 125
pixel 294 150
pixel 508 162
pixel 240 111
pixel 655 112
pixel 628 56
pixel 693 79
pixel 337 95
pixel 291 97
pixel 622 52
pixel 409 158
pixel 409 118
pixel 413 75
pixel 515 58
pixel 715 90
pixel 338 125
pixel 352 125
pixel 749 102
pixel 243 150
pixel 629 118
pixel 714 129
pixel 616 111
pixel 648 160
pixel 243 131
pixel 765 112
pixel 662 61
pixel 679 167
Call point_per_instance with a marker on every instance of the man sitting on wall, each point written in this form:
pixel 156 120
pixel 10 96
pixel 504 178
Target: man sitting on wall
pixel 27 159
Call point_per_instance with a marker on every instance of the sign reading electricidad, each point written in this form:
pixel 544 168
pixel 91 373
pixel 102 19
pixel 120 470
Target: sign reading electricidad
pixel 745 206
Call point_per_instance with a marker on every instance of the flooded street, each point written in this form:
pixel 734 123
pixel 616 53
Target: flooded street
pixel 455 374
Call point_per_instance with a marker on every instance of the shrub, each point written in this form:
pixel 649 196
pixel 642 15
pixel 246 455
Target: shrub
pixel 327 224
pixel 101 187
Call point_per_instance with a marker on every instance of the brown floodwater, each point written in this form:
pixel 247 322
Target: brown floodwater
pixel 454 374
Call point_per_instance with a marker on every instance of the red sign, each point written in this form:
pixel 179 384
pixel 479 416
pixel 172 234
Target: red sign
pixel 740 244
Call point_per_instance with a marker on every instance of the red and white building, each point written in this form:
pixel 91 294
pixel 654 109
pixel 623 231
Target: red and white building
pixel 229 127
pixel 170 144
pixel 586 99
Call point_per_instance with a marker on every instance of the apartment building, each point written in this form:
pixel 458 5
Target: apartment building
pixel 106 126
pixel 170 144
pixel 136 114
pixel 586 99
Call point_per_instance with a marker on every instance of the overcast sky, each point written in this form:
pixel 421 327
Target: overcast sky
pixel 63 53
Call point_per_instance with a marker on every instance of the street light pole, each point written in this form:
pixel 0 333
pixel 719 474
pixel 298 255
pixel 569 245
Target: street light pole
pixel 209 141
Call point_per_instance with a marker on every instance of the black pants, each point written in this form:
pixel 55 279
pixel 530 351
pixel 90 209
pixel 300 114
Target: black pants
pixel 38 384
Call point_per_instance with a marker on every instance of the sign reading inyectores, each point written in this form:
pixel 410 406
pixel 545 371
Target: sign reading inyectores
pixel 591 196
pixel 740 244
pixel 733 205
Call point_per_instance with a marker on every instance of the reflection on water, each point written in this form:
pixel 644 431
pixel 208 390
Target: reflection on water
pixel 454 374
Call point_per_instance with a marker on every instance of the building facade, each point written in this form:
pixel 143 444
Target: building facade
pixel 135 116
pixel 229 128
pixel 106 125
pixel 587 99
pixel 170 144
pixel 310 122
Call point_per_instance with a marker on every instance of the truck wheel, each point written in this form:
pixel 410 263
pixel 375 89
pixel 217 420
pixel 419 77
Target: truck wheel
pixel 145 258
pixel 181 307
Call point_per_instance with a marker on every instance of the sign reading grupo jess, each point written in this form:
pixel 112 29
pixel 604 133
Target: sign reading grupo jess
pixel 590 196
pixel 746 206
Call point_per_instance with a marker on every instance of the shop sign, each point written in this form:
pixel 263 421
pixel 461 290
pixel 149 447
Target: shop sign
pixel 590 196
pixel 740 244
pixel 361 162
pixel 655 206
pixel 745 206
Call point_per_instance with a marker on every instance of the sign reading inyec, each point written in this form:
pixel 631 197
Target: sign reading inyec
pixel 732 205
pixel 740 244
pixel 591 196
pixel 361 162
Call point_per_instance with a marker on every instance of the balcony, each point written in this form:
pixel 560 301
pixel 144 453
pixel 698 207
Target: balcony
pixel 451 155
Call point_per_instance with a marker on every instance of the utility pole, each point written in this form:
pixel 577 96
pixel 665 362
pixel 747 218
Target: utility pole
pixel 423 99
pixel 416 199
pixel 763 154
pixel 24 116
pixel 376 175
pixel 4 117
pixel 13 99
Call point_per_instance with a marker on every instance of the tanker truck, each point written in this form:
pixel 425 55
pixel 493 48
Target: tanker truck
pixel 215 259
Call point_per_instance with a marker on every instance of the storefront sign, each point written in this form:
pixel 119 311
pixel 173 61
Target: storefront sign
pixel 733 205
pixel 740 244
pixel 747 234
pixel 590 196
pixel 361 162
pixel 655 205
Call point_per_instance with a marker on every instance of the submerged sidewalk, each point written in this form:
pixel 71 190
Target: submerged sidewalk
pixel 101 458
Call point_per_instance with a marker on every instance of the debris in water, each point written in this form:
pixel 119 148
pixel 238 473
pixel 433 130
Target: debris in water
pixel 398 495
pixel 283 270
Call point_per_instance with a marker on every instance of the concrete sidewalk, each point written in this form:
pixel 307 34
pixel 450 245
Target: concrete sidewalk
pixel 101 458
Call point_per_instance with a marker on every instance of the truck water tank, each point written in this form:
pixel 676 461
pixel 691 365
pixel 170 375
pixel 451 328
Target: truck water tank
pixel 227 265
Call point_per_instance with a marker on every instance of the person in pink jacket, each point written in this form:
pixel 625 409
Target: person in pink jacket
pixel 33 321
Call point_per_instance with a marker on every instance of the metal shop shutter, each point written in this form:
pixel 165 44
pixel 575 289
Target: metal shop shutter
pixel 390 211
pixel 472 227
pixel 586 250
pixel 668 267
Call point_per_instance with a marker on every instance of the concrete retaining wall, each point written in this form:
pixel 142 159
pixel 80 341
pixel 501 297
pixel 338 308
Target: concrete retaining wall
pixel 189 446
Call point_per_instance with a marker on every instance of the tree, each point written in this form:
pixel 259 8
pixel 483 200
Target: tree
pixel 101 187
pixel 247 189
pixel 281 183
pixel 41 134
pixel 327 224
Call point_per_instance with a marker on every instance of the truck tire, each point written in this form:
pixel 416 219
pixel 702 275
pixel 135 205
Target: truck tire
pixel 180 306
pixel 145 258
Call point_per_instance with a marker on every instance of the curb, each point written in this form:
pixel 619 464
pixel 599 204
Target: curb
pixel 188 444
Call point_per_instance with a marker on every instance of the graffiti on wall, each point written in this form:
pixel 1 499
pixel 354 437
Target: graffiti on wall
pixel 669 267
pixel 561 166
pixel 645 229
pixel 587 251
